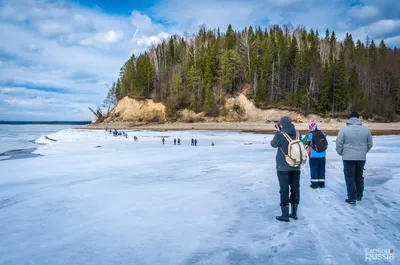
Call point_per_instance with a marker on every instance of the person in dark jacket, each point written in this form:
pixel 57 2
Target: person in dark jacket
pixel 317 160
pixel 353 143
pixel 163 140
pixel 179 141
pixel 287 176
pixel 174 141
pixel 195 142
pixel 192 142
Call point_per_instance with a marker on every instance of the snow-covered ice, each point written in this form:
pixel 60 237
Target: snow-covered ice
pixel 97 199
pixel 22 136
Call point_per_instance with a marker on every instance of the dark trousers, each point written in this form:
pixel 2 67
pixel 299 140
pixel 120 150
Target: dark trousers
pixel 353 173
pixel 289 179
pixel 317 170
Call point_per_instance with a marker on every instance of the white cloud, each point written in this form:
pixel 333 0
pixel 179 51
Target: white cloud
pixel 31 48
pixel 144 23
pixel 364 13
pixel 18 102
pixel 384 28
pixel 9 11
pixel 103 38
pixel 50 28
pixel 147 41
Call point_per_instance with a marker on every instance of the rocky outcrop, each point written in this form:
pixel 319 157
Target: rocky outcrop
pixel 249 112
pixel 190 116
pixel 132 110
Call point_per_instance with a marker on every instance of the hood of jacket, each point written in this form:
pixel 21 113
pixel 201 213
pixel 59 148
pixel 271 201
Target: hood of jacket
pixel 353 121
pixel 287 126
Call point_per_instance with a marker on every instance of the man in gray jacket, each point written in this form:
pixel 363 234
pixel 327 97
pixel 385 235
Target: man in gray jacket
pixel 288 176
pixel 353 143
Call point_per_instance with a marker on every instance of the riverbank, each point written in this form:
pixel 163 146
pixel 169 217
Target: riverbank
pixel 331 128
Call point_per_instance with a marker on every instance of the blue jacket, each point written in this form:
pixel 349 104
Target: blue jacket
pixel 307 141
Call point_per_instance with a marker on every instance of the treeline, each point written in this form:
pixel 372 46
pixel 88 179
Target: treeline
pixel 285 66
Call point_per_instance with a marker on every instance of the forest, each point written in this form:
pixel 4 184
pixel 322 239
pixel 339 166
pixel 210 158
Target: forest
pixel 284 67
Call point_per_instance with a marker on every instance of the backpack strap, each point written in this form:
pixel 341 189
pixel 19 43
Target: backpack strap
pixel 287 137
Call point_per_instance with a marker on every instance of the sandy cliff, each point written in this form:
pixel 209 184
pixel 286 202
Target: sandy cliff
pixel 237 109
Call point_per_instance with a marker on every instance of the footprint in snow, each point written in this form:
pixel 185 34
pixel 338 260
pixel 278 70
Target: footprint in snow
pixel 313 229
pixel 329 260
pixel 276 248
pixel 354 230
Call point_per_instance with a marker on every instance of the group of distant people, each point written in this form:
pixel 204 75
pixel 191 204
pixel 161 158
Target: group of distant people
pixel 353 143
pixel 117 133
pixel 178 141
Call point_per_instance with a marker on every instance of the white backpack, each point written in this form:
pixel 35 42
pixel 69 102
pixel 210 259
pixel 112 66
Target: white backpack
pixel 297 154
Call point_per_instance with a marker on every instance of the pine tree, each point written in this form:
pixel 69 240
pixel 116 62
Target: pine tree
pixel 327 35
pixel 230 38
pixel 354 90
pixel 228 61
pixel 118 89
pixel 340 96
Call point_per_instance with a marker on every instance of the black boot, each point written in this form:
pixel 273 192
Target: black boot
pixel 313 186
pixel 294 211
pixel 352 203
pixel 285 214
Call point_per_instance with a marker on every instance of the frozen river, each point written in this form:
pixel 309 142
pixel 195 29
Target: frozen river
pixel 92 198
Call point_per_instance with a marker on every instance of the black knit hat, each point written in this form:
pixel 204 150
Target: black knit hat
pixel 354 114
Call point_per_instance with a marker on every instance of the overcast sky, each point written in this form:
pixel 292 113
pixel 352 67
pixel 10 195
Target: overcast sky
pixel 58 57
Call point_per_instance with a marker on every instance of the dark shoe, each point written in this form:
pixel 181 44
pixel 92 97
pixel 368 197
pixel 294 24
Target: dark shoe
pixel 322 185
pixel 285 214
pixel 352 203
pixel 313 186
pixel 359 198
pixel 294 207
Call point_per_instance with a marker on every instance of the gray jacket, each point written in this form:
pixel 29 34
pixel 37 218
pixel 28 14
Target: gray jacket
pixel 279 141
pixel 354 141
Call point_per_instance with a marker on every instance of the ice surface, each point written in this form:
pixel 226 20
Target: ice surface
pixel 97 199
pixel 14 137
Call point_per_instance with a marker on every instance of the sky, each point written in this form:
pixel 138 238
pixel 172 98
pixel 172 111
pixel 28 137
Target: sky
pixel 57 58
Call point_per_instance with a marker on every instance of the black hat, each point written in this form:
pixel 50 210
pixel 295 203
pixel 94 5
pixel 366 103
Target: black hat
pixel 354 114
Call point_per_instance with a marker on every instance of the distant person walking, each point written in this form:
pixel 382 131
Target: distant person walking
pixel 291 154
pixel 212 144
pixel 110 131
pixel 174 141
pixel 316 144
pixel 163 140
pixel 195 142
pixel 192 142
pixel 353 143
pixel 179 141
